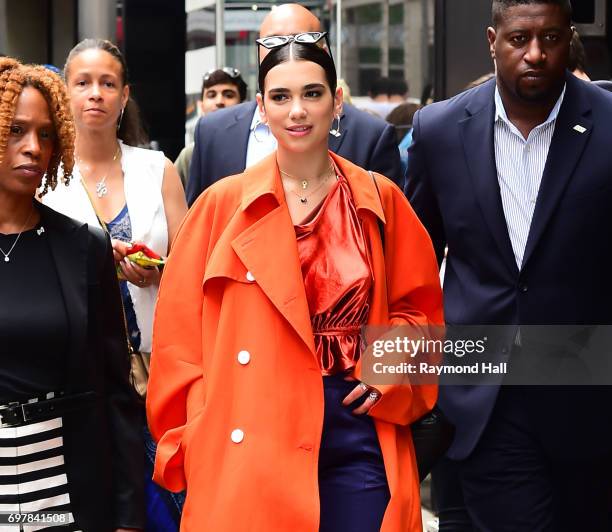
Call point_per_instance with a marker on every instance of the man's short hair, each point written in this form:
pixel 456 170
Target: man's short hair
pixel 499 6
pixel 398 86
pixel 221 75
pixel 381 85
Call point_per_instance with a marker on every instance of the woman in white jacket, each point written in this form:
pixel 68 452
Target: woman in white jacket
pixel 135 194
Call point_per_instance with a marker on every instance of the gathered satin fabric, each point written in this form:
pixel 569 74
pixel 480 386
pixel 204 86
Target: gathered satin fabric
pixel 337 278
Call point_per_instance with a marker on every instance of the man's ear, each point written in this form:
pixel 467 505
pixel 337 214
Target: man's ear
pixel 491 35
pixel 262 109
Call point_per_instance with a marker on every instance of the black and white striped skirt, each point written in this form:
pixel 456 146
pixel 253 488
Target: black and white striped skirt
pixel 33 477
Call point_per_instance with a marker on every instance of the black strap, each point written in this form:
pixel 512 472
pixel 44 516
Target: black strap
pixel 432 434
pixel 381 225
pixel 105 228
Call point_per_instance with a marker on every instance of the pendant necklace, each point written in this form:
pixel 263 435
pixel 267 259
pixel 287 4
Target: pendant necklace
pixel 6 254
pixel 101 187
pixel 304 183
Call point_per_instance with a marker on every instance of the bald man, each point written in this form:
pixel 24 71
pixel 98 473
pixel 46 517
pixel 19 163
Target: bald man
pixel 230 140
pixel 287 19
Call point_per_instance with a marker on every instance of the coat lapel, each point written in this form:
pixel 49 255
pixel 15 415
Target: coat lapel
pixel 477 136
pixel 267 245
pixel 69 247
pixel 565 150
pixel 268 250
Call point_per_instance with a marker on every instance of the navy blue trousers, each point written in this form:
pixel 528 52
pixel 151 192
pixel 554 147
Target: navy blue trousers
pixel 353 485
pixel 513 482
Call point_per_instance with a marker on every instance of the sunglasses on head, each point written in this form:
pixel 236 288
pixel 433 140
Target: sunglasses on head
pixel 308 37
pixel 276 41
pixel 230 71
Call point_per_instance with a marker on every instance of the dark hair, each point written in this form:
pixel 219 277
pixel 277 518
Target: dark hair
pixel 220 76
pixel 381 85
pixel 398 86
pixel 401 118
pixel 577 55
pixel 403 114
pixel 427 93
pixel 130 130
pixel 499 6
pixel 299 52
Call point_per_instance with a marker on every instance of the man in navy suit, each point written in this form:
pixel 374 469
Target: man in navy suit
pixel 228 141
pixel 515 177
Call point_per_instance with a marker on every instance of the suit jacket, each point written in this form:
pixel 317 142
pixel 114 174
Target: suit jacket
pixel 221 140
pixel 234 284
pixel 103 442
pixel 453 186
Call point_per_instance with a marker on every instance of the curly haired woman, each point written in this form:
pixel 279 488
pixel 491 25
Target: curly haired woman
pixel 68 418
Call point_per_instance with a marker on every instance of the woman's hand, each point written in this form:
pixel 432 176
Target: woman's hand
pixel 119 249
pixel 139 276
pixel 357 392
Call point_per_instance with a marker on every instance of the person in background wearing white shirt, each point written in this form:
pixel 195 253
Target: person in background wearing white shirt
pixel 134 194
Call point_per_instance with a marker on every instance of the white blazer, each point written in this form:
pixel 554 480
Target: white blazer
pixel 143 172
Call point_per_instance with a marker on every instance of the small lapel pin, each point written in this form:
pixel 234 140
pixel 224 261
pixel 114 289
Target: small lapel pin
pixel 579 128
pixel 40 231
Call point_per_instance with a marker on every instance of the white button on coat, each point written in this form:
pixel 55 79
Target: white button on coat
pixel 250 277
pixel 244 357
pixel 237 435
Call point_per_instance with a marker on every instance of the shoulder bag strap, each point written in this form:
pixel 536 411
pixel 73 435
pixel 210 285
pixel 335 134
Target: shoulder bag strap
pixel 105 227
pixel 381 226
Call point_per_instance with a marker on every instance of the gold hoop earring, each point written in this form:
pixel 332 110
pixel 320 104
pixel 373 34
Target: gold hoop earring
pixel 120 118
pixel 335 131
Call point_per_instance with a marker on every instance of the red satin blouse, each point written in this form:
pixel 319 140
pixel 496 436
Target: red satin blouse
pixel 337 277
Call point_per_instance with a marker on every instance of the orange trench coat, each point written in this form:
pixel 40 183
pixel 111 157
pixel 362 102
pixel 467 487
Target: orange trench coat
pixel 235 395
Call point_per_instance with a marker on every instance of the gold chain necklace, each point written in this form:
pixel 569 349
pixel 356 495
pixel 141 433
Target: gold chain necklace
pixel 304 197
pixel 304 183
pixel 101 187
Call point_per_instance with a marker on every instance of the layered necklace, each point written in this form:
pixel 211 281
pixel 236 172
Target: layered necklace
pixel 7 253
pixel 101 186
pixel 304 194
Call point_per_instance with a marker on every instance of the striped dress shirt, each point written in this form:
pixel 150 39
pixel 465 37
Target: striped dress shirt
pixel 520 164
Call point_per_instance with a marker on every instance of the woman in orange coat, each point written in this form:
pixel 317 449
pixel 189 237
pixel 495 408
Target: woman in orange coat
pixel 253 393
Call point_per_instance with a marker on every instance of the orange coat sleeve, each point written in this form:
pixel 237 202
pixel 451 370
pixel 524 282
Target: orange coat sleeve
pixel 414 298
pixel 175 391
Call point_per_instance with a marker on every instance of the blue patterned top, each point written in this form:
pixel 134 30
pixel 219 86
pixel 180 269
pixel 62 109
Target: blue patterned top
pixel 121 229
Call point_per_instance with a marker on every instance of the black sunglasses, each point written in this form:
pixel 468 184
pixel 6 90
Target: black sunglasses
pixel 230 71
